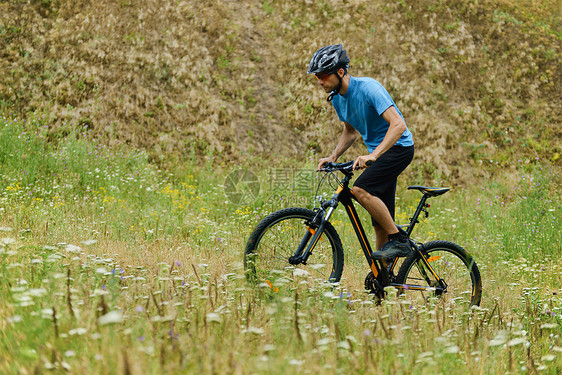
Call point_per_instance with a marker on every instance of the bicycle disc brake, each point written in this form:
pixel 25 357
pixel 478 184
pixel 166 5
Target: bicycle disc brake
pixel 373 286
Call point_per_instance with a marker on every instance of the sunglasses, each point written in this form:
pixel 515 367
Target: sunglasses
pixel 324 75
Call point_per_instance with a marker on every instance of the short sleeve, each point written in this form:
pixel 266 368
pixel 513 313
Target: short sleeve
pixel 380 100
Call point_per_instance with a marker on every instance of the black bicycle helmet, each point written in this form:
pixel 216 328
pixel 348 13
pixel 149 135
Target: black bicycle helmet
pixel 329 58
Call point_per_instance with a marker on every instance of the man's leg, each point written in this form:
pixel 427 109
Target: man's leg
pixel 380 235
pixel 388 239
pixel 378 211
pixel 375 189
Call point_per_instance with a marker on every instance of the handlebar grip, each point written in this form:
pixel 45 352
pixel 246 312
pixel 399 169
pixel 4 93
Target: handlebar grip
pixel 347 164
pixel 369 163
pixel 329 166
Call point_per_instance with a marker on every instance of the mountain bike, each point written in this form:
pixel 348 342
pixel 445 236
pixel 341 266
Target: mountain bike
pixel 299 241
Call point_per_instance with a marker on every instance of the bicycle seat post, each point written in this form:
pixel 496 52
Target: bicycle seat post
pixel 414 219
pixel 427 193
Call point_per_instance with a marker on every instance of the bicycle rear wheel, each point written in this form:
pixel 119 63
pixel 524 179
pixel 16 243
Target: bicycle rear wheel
pixel 452 264
pixel 276 239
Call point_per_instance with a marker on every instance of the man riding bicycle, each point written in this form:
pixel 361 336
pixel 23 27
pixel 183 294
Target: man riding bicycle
pixel 366 109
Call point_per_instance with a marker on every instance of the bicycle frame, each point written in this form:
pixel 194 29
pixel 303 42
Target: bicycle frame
pixel 345 196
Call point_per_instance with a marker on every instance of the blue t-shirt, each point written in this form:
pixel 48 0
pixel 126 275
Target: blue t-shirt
pixel 362 107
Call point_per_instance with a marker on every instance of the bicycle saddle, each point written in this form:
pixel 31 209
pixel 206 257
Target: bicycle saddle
pixel 431 191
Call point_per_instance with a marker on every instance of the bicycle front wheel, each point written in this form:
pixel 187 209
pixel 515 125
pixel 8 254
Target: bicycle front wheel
pixel 278 236
pixel 461 281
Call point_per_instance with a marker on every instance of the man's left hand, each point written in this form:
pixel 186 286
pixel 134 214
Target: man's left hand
pixel 361 161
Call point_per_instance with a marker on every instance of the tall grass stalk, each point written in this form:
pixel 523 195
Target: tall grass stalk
pixel 110 265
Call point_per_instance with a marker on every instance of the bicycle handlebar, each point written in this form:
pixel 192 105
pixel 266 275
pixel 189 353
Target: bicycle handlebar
pixel 344 167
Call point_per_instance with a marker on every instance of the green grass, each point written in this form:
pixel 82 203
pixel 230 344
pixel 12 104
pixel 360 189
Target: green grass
pixel 110 265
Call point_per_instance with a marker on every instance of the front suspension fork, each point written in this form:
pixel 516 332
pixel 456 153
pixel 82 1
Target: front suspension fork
pixel 302 254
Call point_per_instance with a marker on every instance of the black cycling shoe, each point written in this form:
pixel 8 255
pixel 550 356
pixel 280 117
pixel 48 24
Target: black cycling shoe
pixel 393 249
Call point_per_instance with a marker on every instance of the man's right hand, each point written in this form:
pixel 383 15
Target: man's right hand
pixel 324 161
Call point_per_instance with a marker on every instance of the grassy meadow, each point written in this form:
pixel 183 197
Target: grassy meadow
pixel 110 265
pixel 135 160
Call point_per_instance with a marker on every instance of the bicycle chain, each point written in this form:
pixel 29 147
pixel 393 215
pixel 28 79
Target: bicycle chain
pixel 373 286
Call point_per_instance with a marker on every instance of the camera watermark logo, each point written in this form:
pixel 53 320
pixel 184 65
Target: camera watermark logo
pixel 279 185
pixel 242 186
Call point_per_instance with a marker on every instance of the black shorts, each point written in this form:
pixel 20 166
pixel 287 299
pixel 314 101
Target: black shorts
pixel 380 178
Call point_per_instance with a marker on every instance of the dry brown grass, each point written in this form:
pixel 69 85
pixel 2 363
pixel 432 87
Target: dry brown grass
pixel 477 81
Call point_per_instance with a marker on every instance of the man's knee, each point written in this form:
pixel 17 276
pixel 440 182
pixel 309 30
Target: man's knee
pixel 359 192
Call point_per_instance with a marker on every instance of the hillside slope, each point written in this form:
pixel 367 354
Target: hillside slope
pixel 478 81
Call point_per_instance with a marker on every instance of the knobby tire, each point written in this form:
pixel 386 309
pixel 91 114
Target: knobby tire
pixel 277 237
pixel 453 264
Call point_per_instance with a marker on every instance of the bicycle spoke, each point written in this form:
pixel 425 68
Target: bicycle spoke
pixel 460 280
pixel 282 234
